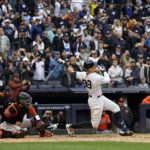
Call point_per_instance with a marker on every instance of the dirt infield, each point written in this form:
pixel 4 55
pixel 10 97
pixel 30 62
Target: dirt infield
pixel 144 138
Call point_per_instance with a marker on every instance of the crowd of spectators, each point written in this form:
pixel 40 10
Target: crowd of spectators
pixel 44 37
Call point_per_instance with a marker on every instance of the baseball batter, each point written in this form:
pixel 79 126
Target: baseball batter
pixel 97 101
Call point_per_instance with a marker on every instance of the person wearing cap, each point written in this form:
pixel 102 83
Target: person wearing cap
pixel 109 41
pixel 65 44
pixel 21 6
pixel 83 12
pixel 49 32
pixel 136 37
pixel 56 61
pixel 127 114
pixel 26 70
pixel 23 41
pixel 133 80
pixel 100 7
pixel 79 42
pixel 118 52
pixel 17 86
pixel 4 44
pixel 141 65
pixel 112 13
pixel 9 30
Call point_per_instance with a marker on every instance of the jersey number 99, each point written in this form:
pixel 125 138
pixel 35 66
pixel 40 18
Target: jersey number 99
pixel 87 84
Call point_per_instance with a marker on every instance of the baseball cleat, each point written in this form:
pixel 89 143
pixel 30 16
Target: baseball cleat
pixel 46 134
pixel 70 130
pixel 127 133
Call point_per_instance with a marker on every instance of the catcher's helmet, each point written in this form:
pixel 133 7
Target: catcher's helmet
pixel 25 99
pixel 88 64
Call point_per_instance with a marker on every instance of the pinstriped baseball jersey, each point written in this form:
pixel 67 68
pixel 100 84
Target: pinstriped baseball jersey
pixel 92 82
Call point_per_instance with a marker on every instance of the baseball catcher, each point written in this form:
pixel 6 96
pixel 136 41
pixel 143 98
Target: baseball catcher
pixel 14 123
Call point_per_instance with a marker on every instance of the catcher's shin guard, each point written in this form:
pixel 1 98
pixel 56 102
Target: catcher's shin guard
pixel 10 134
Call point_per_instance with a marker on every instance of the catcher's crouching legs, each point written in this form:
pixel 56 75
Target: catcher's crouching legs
pixel 10 134
pixel 40 127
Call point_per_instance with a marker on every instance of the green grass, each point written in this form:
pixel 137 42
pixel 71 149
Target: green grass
pixel 75 146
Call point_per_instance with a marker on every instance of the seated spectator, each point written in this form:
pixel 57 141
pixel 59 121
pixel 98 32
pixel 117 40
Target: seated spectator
pixel 48 117
pixel 127 114
pixel 59 119
pixel 133 80
pixel 141 66
pixel 38 67
pixel 118 52
pixel 127 75
pixel 146 100
pixel 105 124
pixel 143 83
pixel 17 87
pixel 55 66
pixel 116 74
pixel 26 70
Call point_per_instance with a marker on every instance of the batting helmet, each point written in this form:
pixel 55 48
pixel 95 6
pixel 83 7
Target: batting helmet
pixel 25 99
pixel 88 64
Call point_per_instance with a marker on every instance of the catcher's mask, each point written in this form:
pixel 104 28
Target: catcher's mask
pixel 24 99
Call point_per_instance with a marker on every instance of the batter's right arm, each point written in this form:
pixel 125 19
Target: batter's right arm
pixel 104 79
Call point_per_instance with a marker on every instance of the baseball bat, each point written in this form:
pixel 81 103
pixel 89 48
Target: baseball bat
pixel 49 75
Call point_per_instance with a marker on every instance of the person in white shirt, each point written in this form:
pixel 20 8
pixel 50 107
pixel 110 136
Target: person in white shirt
pixel 38 66
pixel 97 101
pixel 57 8
pixel 77 4
pixel 116 74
